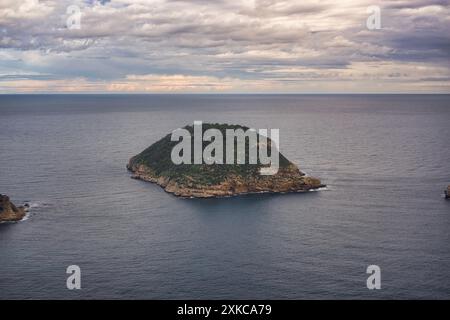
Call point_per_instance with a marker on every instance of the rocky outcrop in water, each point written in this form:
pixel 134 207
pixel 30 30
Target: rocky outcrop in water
pixel 9 212
pixel 447 193
pixel 215 180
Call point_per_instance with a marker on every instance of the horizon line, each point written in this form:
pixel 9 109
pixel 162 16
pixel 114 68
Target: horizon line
pixel 224 93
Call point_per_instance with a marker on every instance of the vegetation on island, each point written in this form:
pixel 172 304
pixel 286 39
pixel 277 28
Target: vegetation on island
pixel 157 157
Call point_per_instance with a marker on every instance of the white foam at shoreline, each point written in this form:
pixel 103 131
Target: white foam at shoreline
pixel 319 189
pixel 26 217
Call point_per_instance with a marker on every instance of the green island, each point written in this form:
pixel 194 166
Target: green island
pixel 155 164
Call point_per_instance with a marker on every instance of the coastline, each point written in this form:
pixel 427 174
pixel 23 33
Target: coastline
pixel 9 212
pixel 287 180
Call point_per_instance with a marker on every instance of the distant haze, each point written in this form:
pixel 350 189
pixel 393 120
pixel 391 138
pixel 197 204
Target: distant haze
pixel 199 46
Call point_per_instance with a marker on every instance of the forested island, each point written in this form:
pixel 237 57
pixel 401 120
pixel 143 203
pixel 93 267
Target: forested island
pixel 155 164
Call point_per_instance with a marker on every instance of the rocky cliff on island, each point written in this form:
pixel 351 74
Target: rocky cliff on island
pixel 155 165
pixel 9 212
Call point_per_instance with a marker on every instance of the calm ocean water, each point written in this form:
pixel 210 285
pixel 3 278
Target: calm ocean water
pixel 386 160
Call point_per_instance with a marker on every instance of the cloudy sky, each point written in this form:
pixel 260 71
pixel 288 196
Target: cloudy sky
pixel 207 46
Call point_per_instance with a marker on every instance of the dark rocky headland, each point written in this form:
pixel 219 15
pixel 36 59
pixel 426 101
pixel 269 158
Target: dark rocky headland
pixel 9 212
pixel 154 164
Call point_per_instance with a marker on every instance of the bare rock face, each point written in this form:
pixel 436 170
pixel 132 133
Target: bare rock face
pixel 447 193
pixel 8 211
pixel 216 180
pixel 289 179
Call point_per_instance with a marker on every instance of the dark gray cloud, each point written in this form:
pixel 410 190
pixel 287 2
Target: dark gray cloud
pixel 414 4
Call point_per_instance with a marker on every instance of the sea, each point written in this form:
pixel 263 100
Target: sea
pixel 384 158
